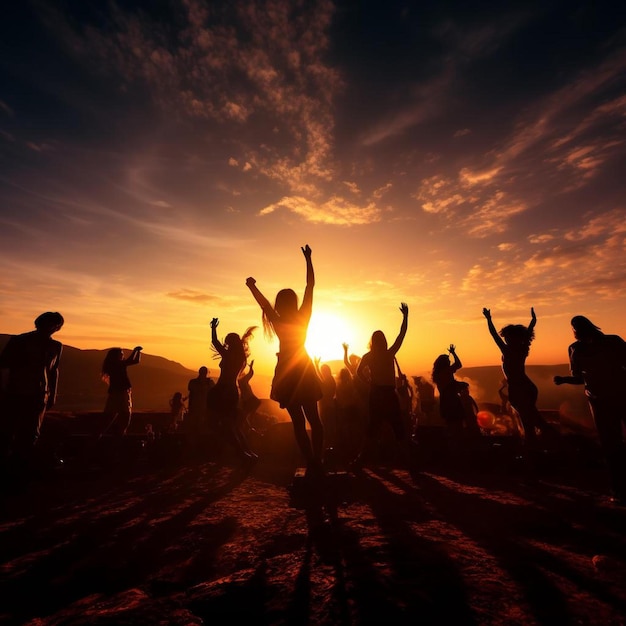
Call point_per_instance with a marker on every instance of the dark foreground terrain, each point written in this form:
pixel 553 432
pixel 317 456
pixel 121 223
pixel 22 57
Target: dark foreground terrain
pixel 145 535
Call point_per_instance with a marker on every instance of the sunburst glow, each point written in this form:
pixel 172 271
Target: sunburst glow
pixel 326 336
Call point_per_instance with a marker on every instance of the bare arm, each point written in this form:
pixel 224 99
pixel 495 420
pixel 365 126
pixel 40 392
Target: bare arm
pixel 214 340
pixel 53 380
pixel 135 356
pixel 307 301
pixel 533 321
pixel 456 365
pixel 492 329
pixel 316 361
pixel 262 301
pixel 403 328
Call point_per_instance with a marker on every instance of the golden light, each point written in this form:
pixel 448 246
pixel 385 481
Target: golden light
pixel 326 336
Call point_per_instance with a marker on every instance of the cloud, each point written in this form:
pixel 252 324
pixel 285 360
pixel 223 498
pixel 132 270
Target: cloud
pixel 481 211
pixel 336 210
pixel 191 295
pixel 243 67
pixel 352 186
pixel 559 267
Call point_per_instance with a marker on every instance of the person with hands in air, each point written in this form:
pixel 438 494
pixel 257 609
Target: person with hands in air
pixel 377 369
pixel 223 398
pixel 514 342
pixel 295 385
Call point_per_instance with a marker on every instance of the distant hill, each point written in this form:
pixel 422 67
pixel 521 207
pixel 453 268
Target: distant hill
pixel 156 379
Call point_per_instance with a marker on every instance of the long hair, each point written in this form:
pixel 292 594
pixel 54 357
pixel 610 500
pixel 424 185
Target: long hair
pixel 441 364
pixel 238 347
pixel 378 342
pixel 517 331
pixel 111 359
pixel 585 328
pixel 285 306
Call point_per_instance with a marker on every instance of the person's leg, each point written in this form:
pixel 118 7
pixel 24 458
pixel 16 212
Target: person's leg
pixel 126 411
pixel 9 420
pixel 26 434
pixel 312 416
pixel 606 415
pixel 299 430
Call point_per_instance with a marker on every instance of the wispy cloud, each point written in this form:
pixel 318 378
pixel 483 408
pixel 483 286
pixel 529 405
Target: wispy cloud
pixel 336 210
pixel 190 295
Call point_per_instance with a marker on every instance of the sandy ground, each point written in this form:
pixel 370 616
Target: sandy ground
pixel 144 538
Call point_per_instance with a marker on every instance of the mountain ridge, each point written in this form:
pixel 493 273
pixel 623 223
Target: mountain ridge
pixel 157 378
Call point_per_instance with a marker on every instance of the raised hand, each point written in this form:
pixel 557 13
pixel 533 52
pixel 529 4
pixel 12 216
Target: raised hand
pixel 250 282
pixel 487 313
pixel 404 307
pixel 215 322
pixel 451 349
pixel 306 251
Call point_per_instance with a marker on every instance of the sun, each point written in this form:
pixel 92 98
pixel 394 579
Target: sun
pixel 326 336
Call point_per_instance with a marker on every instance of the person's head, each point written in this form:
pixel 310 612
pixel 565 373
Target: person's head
pixel 325 371
pixel 177 397
pixel 286 303
pixel 113 356
pixel 378 342
pixel 441 364
pixel 442 361
pixel 49 322
pixel 517 335
pixel 344 375
pixel 203 372
pixel 232 341
pixel 584 328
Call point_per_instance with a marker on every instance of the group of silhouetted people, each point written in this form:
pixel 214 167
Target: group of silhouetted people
pixel 348 411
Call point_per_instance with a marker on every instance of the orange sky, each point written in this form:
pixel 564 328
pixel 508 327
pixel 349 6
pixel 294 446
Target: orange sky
pixel 151 160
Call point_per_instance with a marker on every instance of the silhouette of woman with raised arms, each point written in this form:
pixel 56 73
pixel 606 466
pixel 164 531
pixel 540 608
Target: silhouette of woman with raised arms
pixel 450 407
pixel 295 386
pixel 514 342
pixel 119 404
pixel 224 396
pixel 377 368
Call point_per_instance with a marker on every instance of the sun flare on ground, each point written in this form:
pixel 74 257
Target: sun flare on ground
pixel 326 336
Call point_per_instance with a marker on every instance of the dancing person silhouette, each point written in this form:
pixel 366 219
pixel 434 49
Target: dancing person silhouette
pixel 456 407
pixel 598 361
pixel 295 386
pixel 377 369
pixel 224 396
pixel 249 403
pixel 29 374
pixel 178 410
pixel 514 342
pixel 119 404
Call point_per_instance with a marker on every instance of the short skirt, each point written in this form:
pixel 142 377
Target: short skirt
pixel 295 382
